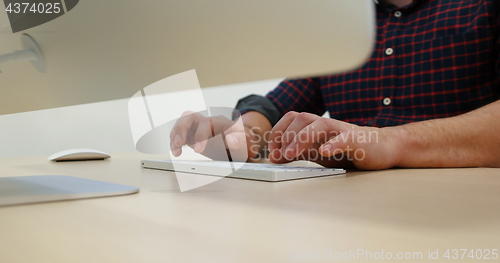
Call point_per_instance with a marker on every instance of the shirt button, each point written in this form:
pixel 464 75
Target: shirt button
pixel 389 51
pixel 387 101
pixel 397 14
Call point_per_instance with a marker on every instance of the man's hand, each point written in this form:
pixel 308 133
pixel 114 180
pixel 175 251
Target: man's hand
pixel 242 139
pixel 332 143
pixel 200 133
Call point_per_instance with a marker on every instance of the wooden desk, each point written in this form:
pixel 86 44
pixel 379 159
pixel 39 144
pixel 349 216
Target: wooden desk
pixel 235 220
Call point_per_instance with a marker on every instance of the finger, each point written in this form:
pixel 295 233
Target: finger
pixel 339 144
pixel 278 130
pixel 220 125
pixel 175 152
pixel 189 142
pixel 179 133
pixel 172 133
pixel 301 121
pixel 190 138
pixel 335 161
pixel 180 124
pixel 344 149
pixel 236 141
pixel 203 133
pixel 319 131
pixel 310 154
pixel 235 136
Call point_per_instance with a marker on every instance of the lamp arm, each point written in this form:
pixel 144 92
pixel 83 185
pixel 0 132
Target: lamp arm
pixel 31 52
pixel 19 55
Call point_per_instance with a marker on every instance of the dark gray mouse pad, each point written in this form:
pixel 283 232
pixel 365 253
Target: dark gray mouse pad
pixel 47 188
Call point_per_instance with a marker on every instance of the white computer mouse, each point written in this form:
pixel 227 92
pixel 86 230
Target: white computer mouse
pixel 78 155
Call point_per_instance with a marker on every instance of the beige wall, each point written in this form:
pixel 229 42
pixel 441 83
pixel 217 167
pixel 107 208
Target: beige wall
pixel 103 126
pixel 106 50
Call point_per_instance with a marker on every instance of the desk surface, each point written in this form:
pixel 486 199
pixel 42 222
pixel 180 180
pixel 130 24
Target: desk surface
pixel 234 220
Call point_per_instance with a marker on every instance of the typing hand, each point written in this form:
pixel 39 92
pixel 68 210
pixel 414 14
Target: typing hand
pixel 215 137
pixel 332 143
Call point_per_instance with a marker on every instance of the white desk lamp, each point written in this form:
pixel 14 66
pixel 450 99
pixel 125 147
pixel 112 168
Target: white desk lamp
pixel 30 52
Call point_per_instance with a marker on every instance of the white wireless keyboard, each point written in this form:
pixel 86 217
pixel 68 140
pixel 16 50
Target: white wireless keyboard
pixel 254 171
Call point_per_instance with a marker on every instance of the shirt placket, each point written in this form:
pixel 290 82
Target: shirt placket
pixel 389 70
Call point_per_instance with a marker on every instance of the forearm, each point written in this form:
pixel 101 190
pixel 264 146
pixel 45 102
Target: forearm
pixel 468 140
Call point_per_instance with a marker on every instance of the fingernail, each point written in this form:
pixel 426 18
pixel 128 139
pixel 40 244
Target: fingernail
pixel 232 142
pixel 178 140
pixel 327 147
pixel 197 147
pixel 276 154
pixel 290 150
pixel 176 152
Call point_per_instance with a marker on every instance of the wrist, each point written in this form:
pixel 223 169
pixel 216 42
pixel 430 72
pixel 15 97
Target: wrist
pixel 398 142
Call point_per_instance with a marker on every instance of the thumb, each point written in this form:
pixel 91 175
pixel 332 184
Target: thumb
pixel 342 143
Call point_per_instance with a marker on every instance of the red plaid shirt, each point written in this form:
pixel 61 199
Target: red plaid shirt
pixel 432 59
